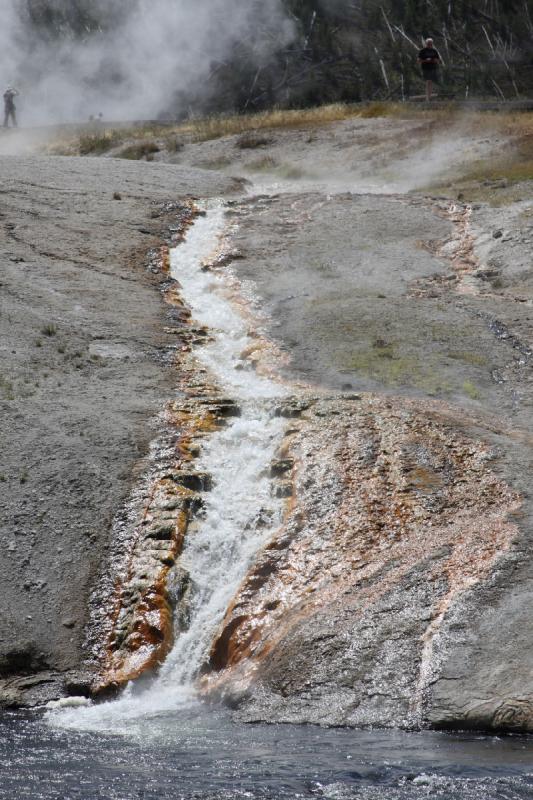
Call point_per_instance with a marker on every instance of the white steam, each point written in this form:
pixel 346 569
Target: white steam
pixel 151 52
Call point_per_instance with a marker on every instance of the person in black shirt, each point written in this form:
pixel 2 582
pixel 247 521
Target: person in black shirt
pixel 9 107
pixel 429 59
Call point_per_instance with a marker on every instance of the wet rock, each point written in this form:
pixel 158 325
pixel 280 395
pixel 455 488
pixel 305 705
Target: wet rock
pixel 284 489
pixel 164 531
pixel 78 683
pixel 281 467
pixel 24 658
pixel 292 409
pixel 31 691
pixel 196 481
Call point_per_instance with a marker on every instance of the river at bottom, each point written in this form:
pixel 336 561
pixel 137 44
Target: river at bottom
pixel 202 753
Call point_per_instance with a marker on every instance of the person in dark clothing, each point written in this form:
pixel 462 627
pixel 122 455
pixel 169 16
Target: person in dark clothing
pixel 10 110
pixel 429 59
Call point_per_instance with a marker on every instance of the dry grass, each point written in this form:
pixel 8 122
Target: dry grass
pixel 252 140
pixel 250 128
pixel 96 143
pixel 215 127
pixel 172 137
pixel 498 180
pixel 264 164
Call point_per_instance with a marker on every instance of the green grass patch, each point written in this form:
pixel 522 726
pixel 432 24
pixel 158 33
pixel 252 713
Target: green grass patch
pixel 496 180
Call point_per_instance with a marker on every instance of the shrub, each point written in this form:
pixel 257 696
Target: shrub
pixel 250 141
pixel 139 150
pixel 98 143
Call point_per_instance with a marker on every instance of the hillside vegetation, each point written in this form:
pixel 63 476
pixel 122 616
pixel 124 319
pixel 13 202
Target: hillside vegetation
pixel 344 50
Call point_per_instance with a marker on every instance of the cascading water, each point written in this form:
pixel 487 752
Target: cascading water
pixel 240 513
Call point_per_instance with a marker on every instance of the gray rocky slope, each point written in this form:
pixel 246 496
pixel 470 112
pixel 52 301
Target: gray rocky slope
pixel 84 375
pixel 404 596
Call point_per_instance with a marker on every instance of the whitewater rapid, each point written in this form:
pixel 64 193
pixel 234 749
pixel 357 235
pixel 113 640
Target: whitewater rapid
pixel 241 512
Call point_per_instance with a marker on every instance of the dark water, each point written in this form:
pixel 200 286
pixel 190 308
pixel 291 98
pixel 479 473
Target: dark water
pixel 200 754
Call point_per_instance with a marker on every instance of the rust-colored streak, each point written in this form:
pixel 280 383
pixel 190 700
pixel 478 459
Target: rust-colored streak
pixel 141 611
pixel 459 250
pixel 381 487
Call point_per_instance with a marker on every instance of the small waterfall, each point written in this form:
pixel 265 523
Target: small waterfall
pixel 240 513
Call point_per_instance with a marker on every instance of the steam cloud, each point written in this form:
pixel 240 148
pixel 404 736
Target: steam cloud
pixel 139 62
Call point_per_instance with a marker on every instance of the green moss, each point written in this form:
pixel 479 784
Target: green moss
pixel 381 363
pixel 7 390
pixel 471 391
pixel 468 357
pixel 498 182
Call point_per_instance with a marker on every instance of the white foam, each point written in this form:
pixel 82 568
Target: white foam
pixel 68 702
pixel 206 295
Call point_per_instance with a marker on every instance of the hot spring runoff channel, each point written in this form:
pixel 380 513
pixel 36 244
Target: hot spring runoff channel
pixel 240 513
pixel 157 741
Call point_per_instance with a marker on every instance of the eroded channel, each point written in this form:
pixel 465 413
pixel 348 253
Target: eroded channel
pixel 241 510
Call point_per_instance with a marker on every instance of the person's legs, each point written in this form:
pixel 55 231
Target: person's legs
pixel 6 118
pixel 429 90
pixel 14 118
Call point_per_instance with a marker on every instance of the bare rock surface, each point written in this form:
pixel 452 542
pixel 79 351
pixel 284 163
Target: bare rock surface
pixel 84 374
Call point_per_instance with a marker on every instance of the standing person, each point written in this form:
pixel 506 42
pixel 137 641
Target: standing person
pixel 9 106
pixel 429 59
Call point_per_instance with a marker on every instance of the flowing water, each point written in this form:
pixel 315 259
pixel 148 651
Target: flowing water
pixel 240 513
pixel 158 741
pixel 198 754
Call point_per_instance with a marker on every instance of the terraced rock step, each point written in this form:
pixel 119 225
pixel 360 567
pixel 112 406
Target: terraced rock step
pixel 142 620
